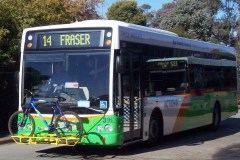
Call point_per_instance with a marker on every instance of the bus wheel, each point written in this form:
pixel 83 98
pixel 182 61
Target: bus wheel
pixel 216 119
pixel 155 131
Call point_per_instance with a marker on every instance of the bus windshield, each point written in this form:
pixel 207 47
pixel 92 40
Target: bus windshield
pixel 81 78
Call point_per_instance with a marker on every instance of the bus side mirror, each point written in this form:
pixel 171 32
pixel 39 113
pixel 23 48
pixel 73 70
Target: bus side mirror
pixel 120 67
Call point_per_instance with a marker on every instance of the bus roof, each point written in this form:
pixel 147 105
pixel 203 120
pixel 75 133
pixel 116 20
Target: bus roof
pixel 145 35
pixel 102 23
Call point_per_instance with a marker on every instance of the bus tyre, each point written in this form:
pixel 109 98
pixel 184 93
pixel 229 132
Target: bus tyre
pixel 68 125
pixel 14 127
pixel 216 119
pixel 155 131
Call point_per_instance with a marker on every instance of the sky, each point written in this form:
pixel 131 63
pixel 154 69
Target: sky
pixel 155 5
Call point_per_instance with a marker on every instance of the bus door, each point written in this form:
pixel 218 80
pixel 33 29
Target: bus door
pixel 131 96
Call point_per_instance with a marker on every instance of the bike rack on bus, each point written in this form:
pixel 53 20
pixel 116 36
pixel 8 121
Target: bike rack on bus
pixel 46 139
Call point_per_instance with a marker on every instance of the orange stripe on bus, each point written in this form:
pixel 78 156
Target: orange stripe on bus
pixel 181 115
pixel 71 118
pixel 49 118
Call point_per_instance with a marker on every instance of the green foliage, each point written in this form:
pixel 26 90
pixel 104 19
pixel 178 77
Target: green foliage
pixel 127 11
pixel 227 23
pixel 190 16
pixel 145 8
pixel 197 19
pixel 182 33
pixel 8 32
pixel 237 45
pixel 149 15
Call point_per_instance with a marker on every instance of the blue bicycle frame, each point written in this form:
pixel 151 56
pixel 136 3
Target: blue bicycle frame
pixel 32 106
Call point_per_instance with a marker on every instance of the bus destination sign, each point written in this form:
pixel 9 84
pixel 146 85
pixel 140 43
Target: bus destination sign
pixel 173 64
pixel 69 40
pixel 65 39
pixel 167 64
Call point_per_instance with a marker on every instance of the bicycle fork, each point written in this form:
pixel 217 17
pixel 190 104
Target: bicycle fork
pixel 67 125
pixel 24 119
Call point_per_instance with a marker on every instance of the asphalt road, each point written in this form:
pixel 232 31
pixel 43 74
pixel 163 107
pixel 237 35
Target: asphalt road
pixel 195 144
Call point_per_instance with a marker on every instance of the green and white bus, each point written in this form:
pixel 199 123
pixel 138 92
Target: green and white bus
pixel 128 83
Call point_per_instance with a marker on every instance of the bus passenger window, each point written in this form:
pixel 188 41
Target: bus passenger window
pixel 151 89
pixel 198 80
pixel 126 86
pixel 183 87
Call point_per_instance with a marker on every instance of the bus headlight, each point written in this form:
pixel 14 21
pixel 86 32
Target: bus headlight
pixel 99 128
pixel 108 128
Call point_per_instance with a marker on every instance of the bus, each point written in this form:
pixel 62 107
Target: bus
pixel 128 83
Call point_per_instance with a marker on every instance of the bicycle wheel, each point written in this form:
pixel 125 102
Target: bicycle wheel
pixel 15 127
pixel 68 125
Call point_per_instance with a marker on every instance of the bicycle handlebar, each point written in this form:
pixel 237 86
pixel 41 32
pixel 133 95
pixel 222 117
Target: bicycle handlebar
pixel 29 93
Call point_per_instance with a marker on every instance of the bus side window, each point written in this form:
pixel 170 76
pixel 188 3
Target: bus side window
pixel 126 86
pixel 183 86
pixel 198 81
pixel 151 87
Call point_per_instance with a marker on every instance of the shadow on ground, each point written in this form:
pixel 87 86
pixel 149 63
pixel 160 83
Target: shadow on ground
pixel 188 138
pixel 231 152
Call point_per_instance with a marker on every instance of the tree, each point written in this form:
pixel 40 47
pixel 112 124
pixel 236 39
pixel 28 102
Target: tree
pixel 127 11
pixel 148 14
pixel 199 19
pixel 212 5
pixel 145 7
pixel 192 18
pixel 8 33
pixel 162 13
pixel 226 25
pixel 238 45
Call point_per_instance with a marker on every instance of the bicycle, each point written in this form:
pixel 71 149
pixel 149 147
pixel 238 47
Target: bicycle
pixel 67 123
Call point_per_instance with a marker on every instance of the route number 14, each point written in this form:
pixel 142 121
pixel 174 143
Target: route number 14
pixel 47 41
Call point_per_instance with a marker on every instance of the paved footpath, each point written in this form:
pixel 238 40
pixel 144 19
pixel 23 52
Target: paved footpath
pixel 5 138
